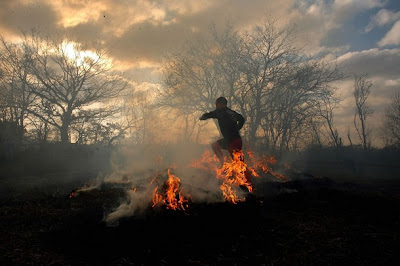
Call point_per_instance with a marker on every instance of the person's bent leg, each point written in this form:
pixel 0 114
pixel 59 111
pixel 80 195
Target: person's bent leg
pixel 217 150
pixel 235 146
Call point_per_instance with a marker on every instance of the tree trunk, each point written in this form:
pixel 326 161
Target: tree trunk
pixel 66 121
pixel 64 134
pixel 254 125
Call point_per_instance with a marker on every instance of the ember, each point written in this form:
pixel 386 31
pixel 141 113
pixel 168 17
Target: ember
pixel 72 194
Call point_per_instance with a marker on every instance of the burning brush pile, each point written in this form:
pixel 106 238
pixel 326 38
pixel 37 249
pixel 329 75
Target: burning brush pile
pixel 175 188
pixel 169 194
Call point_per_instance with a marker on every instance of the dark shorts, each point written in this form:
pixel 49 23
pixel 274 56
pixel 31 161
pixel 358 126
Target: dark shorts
pixel 235 144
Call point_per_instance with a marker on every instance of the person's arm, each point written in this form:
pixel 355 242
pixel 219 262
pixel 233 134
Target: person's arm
pixel 240 120
pixel 208 115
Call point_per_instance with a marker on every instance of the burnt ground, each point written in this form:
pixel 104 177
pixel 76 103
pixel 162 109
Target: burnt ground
pixel 312 221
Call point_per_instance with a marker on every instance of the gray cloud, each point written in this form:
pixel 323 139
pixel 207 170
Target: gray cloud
pixel 86 32
pixel 383 17
pixel 392 37
pixel 150 41
pixel 345 9
pixel 384 63
pixel 336 37
pixel 322 22
pixel 18 15
pixel 147 41
pixel 145 30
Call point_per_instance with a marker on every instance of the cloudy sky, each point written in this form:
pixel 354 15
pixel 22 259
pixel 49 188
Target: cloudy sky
pixel 362 34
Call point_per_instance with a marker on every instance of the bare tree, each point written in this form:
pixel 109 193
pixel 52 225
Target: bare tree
pixel 326 107
pixel 70 82
pixel 362 89
pixel 391 122
pixel 99 132
pixel 349 137
pixel 295 101
pixel 16 97
pixel 142 117
pixel 39 130
pixel 316 136
pixel 261 72
pixel 278 88
pixel 193 80
pixel 228 46
pixel 268 54
pixel 192 74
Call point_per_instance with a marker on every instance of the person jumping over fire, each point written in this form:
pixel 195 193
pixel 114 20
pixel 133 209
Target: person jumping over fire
pixel 230 122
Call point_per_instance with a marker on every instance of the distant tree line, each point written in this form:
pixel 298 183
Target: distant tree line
pixel 391 122
pixel 52 88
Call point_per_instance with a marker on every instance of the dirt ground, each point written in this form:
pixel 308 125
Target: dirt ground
pixel 310 221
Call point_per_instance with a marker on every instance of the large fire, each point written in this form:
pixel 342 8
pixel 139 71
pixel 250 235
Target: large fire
pixel 235 173
pixel 235 177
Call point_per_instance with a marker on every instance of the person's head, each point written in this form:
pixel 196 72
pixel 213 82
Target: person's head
pixel 221 102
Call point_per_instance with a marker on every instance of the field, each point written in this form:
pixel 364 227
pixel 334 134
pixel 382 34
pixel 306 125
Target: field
pixel 310 220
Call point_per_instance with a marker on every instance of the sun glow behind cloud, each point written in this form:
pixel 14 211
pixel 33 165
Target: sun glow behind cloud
pixel 73 14
pixel 79 56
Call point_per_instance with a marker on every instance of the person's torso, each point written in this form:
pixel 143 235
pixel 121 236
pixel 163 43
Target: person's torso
pixel 227 120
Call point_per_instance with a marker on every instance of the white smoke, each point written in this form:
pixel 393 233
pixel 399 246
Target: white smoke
pixel 140 169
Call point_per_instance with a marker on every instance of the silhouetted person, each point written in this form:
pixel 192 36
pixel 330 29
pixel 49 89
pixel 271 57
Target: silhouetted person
pixel 230 122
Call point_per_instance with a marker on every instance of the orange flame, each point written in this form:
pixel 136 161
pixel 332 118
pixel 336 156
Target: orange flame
pixel 265 163
pixel 173 197
pixel 72 194
pixel 157 197
pixel 207 161
pixel 235 172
